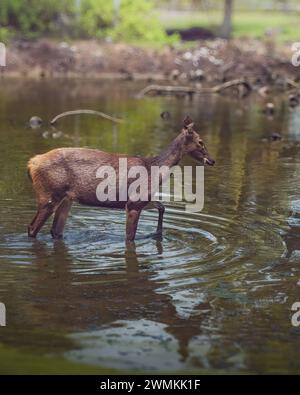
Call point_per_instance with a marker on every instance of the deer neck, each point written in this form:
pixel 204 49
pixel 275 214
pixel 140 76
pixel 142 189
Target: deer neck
pixel 172 154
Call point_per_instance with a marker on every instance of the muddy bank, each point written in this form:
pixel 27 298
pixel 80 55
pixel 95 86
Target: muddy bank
pixel 208 63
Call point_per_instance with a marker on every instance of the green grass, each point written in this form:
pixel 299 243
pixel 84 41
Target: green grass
pixel 286 26
pixel 13 361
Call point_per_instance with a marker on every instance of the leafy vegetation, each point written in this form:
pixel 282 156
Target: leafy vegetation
pixel 137 21
pixel 32 18
pixel 132 20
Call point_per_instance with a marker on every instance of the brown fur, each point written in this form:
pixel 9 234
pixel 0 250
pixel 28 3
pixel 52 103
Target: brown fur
pixel 64 175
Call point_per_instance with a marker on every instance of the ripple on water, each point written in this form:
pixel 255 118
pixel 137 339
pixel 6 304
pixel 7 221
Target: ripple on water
pixel 198 250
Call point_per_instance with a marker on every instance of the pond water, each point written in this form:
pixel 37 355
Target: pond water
pixel 214 295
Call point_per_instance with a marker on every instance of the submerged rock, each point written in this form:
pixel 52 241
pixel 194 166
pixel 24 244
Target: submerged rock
pixel 293 100
pixel 35 122
pixel 165 115
pixel 269 109
pixel 276 136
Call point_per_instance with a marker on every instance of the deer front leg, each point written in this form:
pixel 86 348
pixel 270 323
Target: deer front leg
pixel 132 218
pixel 161 210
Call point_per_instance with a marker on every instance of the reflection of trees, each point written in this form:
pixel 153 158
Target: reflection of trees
pixel 292 240
pixel 250 166
pixel 59 298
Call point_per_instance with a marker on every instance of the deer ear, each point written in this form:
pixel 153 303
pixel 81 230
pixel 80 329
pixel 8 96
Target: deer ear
pixel 187 121
pixel 188 124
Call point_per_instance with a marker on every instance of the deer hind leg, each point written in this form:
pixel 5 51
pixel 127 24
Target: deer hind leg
pixel 45 210
pixel 60 217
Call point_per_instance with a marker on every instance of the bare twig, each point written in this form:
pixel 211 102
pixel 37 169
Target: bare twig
pixel 172 90
pixel 193 90
pixel 92 112
pixel 292 83
pixel 229 84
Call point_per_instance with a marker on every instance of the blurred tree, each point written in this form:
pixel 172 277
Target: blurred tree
pixel 226 27
pixel 284 5
pixel 32 18
pixel 127 20
pixel 122 20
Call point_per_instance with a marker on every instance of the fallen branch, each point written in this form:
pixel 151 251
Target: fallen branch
pixel 292 83
pixel 230 84
pixel 189 90
pixel 92 112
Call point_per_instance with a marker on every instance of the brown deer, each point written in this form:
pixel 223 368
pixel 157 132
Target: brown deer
pixel 65 175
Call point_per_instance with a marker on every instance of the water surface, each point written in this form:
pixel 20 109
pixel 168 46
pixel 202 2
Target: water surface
pixel 214 295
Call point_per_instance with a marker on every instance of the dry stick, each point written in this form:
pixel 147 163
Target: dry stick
pixel 292 83
pixel 192 90
pixel 78 112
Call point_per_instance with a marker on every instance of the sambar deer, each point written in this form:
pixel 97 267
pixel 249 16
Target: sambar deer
pixel 65 175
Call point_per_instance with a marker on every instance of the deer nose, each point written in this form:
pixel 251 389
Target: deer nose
pixel 209 162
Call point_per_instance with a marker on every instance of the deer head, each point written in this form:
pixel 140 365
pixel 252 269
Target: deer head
pixel 194 145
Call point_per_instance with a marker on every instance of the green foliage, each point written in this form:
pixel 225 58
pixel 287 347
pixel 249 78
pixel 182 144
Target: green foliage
pixel 95 17
pixel 132 20
pixel 32 18
pixel 5 34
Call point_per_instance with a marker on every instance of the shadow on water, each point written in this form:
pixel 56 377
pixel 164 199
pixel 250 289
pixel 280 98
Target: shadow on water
pixel 213 295
pixel 139 324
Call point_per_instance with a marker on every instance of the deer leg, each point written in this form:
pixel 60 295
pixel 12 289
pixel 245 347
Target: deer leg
pixel 132 219
pixel 45 210
pixel 60 218
pixel 161 210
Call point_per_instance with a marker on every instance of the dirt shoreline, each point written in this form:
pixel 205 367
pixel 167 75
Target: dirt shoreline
pixel 206 64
